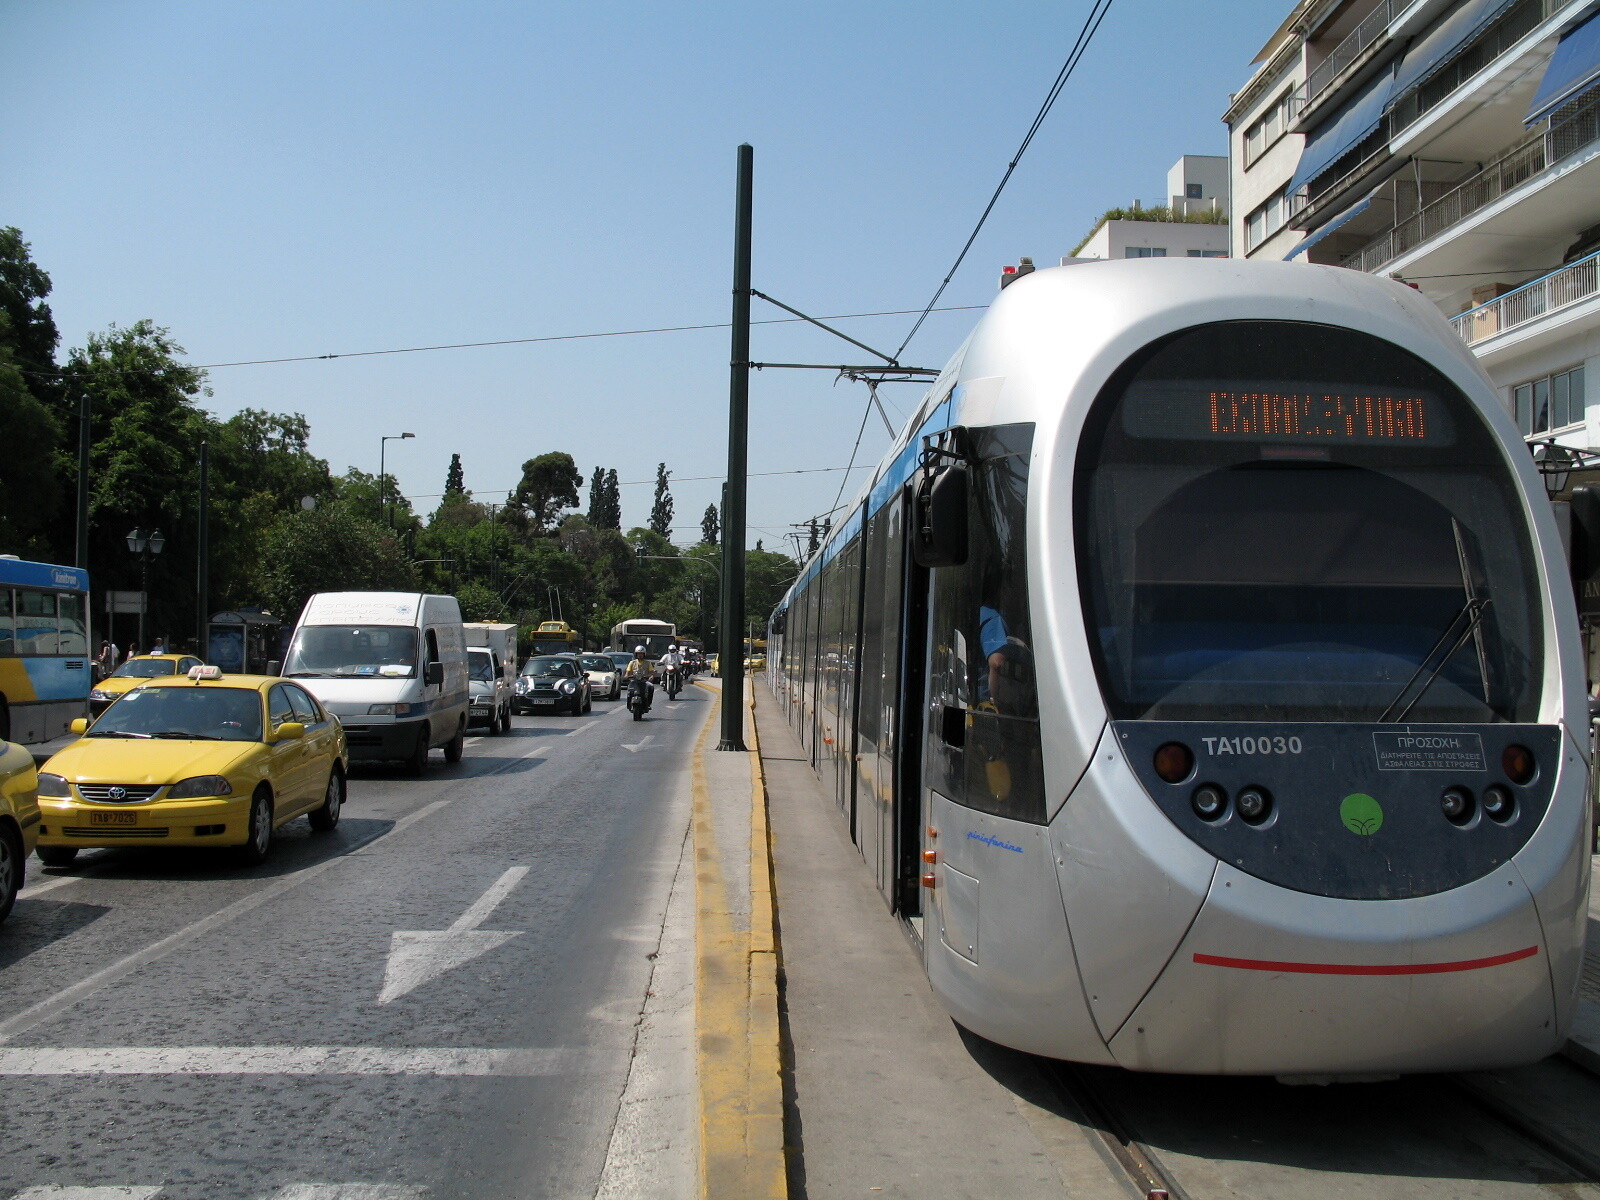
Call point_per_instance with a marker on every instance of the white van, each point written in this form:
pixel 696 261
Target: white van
pixel 392 666
pixel 492 660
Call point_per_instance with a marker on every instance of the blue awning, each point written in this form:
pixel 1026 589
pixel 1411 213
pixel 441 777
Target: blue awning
pixel 1333 140
pixel 1572 70
pixel 1432 51
pixel 1355 210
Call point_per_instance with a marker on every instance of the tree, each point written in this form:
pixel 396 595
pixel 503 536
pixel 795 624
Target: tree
pixel 330 549
pixel 29 329
pixel 549 484
pixel 597 496
pixel 30 486
pixel 613 513
pixel 708 526
pixel 661 510
pixel 455 479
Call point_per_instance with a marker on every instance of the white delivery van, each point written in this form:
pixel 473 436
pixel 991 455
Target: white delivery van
pixel 392 666
pixel 492 670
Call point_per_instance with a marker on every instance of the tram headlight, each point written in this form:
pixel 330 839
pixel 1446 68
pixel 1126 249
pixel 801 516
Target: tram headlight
pixel 1498 802
pixel 1209 802
pixel 1456 804
pixel 1174 762
pixel 1518 764
pixel 1254 805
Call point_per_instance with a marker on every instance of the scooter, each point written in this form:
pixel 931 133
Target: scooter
pixel 673 682
pixel 638 698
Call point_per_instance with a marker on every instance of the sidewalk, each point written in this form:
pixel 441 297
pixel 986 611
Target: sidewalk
pixel 1584 1046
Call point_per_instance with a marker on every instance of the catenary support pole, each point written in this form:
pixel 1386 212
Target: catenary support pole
pixel 82 550
pixel 202 573
pixel 733 535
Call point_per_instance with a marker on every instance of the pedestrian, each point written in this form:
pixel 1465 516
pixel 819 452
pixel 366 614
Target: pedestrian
pixel 160 646
pixel 133 652
pixel 106 661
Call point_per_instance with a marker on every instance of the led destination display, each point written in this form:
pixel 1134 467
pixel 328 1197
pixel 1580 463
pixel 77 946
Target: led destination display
pixel 1277 412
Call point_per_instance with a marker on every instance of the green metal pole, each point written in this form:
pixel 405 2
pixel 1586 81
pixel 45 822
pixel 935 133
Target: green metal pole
pixel 82 558
pixel 732 648
pixel 202 573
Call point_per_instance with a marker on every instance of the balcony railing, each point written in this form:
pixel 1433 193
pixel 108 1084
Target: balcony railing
pixel 1572 283
pixel 1355 44
pixel 1577 131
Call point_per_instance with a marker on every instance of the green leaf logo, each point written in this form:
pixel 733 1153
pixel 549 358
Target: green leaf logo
pixel 1361 814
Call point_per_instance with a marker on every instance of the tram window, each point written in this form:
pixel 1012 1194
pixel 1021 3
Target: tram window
pixel 982 638
pixel 1272 578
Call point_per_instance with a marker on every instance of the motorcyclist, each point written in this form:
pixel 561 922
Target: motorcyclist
pixel 639 669
pixel 671 664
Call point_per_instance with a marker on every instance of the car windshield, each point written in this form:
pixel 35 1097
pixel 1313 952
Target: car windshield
pixel 146 668
pixel 389 651
pixel 619 659
pixel 481 666
pixel 543 668
pixel 597 662
pixel 205 713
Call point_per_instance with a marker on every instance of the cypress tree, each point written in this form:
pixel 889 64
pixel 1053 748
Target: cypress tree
pixel 455 479
pixel 708 526
pixel 661 510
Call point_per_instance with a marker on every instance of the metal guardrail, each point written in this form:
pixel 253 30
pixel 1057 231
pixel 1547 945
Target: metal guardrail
pixel 1551 293
pixel 1526 159
pixel 1356 43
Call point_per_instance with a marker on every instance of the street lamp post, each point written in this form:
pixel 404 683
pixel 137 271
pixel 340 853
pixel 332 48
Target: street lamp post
pixel 146 546
pixel 383 477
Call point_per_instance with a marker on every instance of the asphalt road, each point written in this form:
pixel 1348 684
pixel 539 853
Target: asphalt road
pixel 437 1000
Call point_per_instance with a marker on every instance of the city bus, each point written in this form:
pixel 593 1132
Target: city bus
pixel 556 637
pixel 654 636
pixel 44 649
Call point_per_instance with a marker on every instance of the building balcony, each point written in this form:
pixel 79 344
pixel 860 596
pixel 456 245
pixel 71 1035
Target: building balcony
pixel 1348 55
pixel 1542 307
pixel 1554 166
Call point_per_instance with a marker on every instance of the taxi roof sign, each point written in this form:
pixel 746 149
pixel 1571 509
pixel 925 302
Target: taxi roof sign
pixel 205 673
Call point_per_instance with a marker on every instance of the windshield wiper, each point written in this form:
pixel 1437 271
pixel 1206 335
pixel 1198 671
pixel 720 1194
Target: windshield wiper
pixel 307 675
pixel 117 733
pixel 179 733
pixel 1471 613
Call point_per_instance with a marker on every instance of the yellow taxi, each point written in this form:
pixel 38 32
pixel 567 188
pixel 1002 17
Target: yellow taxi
pixel 19 819
pixel 205 759
pixel 141 668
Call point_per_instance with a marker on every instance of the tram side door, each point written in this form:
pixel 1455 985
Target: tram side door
pixel 911 711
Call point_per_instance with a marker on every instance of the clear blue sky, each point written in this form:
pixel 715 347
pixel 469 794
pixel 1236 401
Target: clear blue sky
pixel 298 178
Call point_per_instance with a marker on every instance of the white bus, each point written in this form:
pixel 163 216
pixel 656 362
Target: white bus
pixel 654 636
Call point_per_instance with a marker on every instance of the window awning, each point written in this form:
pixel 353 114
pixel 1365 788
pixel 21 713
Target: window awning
pixel 1573 68
pixel 1336 138
pixel 1434 49
pixel 1355 210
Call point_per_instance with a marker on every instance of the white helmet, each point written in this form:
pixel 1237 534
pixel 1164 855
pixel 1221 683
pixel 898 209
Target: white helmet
pixel 638 649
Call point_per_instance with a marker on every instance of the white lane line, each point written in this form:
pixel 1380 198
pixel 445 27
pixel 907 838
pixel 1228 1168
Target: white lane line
pixel 419 956
pixel 586 725
pixel 51 1191
pixel 350 1191
pixel 67 997
pixel 283 1060
pixel 49 885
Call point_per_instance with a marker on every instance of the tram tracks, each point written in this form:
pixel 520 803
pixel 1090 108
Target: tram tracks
pixel 1535 1131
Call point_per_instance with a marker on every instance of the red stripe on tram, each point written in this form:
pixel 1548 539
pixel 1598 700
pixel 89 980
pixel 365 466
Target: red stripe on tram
pixel 1438 968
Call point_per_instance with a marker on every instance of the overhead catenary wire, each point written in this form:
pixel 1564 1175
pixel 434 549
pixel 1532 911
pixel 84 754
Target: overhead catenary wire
pixel 1091 23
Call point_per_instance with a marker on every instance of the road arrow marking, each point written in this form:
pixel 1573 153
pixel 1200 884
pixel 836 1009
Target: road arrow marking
pixel 417 957
pixel 640 744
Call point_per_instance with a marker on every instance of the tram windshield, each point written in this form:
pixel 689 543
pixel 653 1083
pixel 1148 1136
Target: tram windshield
pixel 1290 522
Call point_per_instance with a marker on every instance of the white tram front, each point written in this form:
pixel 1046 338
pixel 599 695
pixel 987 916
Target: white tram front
pixel 1199 677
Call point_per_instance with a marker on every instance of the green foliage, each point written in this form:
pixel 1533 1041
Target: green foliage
pixel 549 484
pixel 30 489
pixel 709 525
pixel 27 328
pixel 330 549
pixel 1160 212
pixel 455 479
pixel 661 510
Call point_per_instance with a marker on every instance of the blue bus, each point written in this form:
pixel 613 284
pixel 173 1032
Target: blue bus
pixel 44 649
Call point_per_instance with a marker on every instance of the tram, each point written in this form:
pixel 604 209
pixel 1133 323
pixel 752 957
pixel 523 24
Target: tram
pixel 1199 677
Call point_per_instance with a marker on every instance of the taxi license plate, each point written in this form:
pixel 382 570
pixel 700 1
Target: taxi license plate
pixel 113 818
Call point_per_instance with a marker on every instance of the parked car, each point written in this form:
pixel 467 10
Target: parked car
pixel 605 679
pixel 205 760
pixel 553 683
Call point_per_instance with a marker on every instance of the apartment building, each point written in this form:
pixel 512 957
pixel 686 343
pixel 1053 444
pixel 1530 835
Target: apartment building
pixel 1189 221
pixel 1453 145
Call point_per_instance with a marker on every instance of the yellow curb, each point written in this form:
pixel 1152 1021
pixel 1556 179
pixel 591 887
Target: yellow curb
pixel 736 1008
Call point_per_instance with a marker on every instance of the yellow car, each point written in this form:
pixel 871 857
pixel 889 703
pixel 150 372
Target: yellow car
pixel 202 760
pixel 139 669
pixel 19 819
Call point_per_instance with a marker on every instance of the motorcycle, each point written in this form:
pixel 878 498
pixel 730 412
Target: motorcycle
pixel 638 697
pixel 673 682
